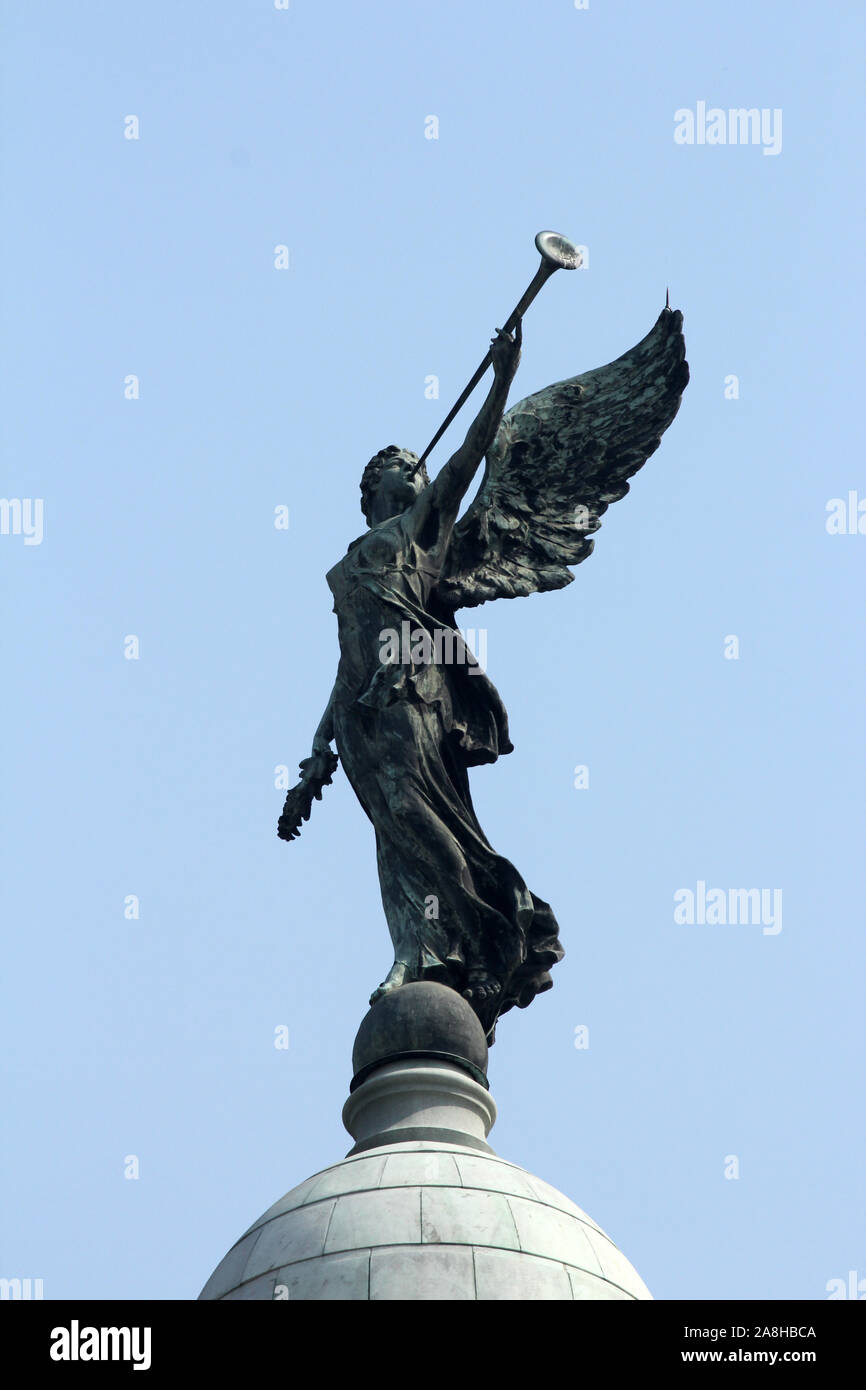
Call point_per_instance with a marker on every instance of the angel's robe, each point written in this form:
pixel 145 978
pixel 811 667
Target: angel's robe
pixel 383 586
pixel 406 733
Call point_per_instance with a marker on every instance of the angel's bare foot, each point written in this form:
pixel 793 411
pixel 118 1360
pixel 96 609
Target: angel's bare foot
pixel 481 986
pixel 393 980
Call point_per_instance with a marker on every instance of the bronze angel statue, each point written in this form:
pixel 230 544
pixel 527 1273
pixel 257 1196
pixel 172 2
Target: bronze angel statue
pixel 411 717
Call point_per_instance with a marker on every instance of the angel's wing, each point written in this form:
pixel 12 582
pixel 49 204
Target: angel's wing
pixel 558 461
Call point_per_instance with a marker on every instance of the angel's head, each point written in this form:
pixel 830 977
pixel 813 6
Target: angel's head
pixel 392 480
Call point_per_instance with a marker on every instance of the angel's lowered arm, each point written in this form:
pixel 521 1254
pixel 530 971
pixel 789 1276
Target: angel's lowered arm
pixel 316 773
pixel 325 732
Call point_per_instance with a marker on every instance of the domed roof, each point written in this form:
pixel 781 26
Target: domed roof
pixel 422 1207
pixel 424 1220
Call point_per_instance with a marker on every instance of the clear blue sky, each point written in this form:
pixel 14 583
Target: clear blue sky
pixel 258 387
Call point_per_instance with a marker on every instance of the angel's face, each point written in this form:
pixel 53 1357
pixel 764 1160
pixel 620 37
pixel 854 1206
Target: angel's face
pixel 399 485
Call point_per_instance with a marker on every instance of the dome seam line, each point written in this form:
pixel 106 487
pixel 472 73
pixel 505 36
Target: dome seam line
pixel 403 1187
pixel 416 1245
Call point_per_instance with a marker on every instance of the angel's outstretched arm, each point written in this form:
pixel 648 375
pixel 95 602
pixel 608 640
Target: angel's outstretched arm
pixel 449 487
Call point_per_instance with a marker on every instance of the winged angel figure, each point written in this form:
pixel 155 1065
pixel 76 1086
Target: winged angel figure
pixel 410 717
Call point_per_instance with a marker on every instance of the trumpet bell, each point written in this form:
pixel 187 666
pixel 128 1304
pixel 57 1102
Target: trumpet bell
pixel 558 250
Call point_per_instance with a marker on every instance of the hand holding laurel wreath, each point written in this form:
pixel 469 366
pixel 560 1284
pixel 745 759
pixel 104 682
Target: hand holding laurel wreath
pixel 316 773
